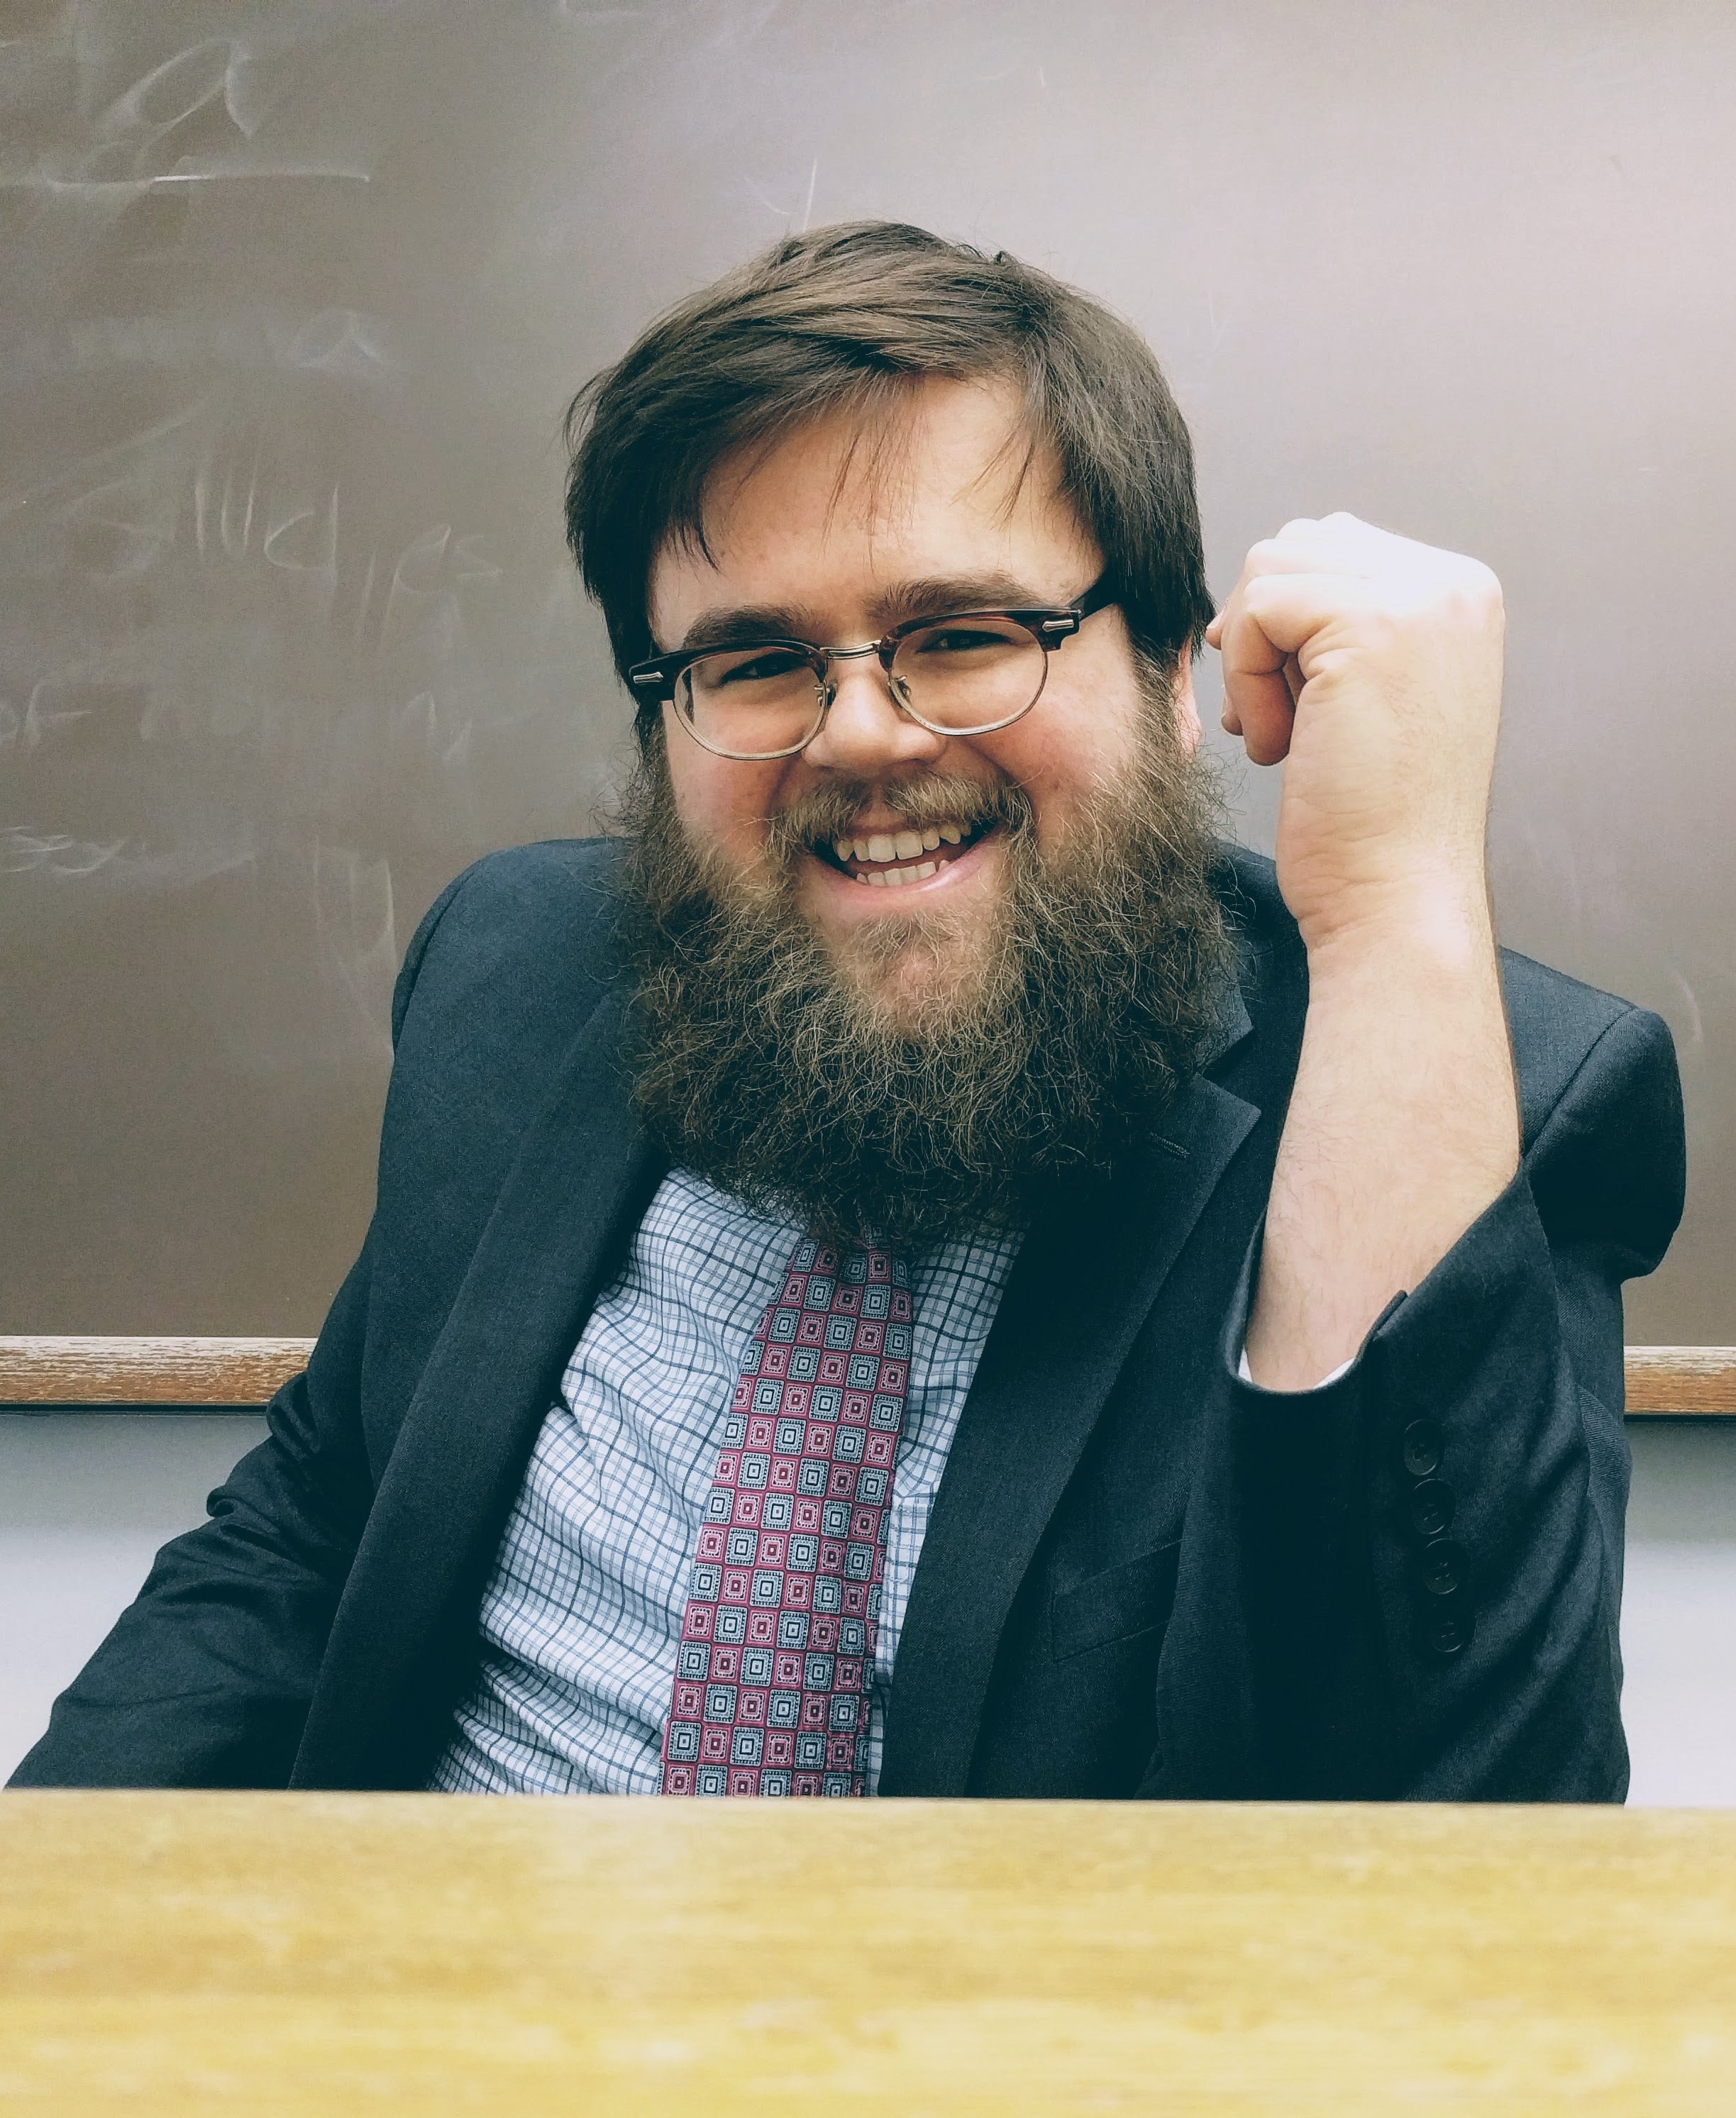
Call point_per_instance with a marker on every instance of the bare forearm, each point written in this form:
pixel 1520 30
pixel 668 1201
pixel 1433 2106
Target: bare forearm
pixel 1371 665
pixel 1402 1128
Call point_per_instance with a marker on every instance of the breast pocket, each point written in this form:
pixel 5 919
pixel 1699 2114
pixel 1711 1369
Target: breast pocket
pixel 1120 1604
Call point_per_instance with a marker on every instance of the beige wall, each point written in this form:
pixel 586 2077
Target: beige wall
pixel 294 294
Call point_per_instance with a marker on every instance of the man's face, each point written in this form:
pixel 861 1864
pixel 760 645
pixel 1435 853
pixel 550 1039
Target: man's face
pixel 833 537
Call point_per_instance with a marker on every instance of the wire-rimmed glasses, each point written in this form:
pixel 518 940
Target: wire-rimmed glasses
pixel 965 673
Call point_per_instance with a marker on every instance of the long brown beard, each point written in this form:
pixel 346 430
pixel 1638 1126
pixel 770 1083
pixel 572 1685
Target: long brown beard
pixel 783 1075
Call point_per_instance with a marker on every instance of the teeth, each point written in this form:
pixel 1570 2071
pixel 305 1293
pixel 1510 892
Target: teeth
pixel 895 878
pixel 881 847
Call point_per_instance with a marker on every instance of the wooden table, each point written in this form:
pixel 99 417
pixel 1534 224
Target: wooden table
pixel 336 1953
pixel 1673 1381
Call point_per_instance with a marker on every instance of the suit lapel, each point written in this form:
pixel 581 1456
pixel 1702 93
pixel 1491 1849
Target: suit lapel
pixel 1083 1285
pixel 578 1186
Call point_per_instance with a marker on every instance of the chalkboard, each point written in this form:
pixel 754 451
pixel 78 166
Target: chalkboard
pixel 292 295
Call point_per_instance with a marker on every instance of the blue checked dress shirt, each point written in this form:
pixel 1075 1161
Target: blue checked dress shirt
pixel 582 1618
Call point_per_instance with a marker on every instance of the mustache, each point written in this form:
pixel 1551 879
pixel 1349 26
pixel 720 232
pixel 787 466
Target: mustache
pixel 772 1066
pixel 828 812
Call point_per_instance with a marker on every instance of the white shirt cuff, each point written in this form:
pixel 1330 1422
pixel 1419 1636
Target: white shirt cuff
pixel 1343 1368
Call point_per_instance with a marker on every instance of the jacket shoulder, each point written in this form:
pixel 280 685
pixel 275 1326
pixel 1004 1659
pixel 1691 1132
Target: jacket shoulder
pixel 1601 1114
pixel 1558 1024
pixel 537 923
pixel 507 969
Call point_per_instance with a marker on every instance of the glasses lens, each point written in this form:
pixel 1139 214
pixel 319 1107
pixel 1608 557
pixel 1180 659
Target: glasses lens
pixel 967 673
pixel 751 701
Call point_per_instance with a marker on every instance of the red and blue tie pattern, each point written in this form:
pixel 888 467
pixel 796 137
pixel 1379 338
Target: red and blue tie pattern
pixel 777 1644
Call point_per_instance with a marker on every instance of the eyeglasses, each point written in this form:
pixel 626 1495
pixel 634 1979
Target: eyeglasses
pixel 966 673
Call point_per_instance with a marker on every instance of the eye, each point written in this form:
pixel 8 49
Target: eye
pixel 959 640
pixel 759 665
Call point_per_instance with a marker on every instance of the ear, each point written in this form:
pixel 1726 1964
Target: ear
pixel 1186 706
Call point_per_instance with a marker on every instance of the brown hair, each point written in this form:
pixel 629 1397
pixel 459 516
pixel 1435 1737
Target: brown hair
pixel 852 316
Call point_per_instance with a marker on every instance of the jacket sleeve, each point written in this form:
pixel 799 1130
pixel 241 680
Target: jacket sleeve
pixel 1429 1548
pixel 207 1677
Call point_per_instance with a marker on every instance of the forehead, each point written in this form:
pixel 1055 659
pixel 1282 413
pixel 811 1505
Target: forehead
pixel 945 482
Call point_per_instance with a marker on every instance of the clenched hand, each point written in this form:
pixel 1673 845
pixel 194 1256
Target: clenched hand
pixel 1372 664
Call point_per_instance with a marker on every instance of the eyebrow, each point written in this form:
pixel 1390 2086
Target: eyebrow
pixel 936 595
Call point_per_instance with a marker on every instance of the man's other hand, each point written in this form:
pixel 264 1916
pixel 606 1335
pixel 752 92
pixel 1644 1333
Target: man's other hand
pixel 1373 664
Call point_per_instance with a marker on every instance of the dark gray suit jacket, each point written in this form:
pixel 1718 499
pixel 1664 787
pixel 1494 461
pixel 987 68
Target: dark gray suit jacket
pixel 1141 1575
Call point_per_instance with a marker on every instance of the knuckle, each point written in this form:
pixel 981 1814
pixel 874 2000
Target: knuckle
pixel 1486 584
pixel 1475 588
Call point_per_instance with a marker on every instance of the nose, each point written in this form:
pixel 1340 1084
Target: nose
pixel 864 732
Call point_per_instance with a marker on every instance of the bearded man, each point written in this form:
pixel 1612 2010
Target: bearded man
pixel 912 1267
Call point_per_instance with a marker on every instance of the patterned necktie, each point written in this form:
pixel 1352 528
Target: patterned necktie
pixel 777 1646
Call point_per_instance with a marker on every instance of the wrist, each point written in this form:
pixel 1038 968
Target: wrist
pixel 1441 921
pixel 1406 1016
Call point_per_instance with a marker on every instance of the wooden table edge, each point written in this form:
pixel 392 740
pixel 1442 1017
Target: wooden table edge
pixel 1664 1382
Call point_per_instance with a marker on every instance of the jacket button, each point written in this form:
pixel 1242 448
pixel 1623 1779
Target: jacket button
pixel 1441 1567
pixel 1448 1631
pixel 1432 1507
pixel 1421 1448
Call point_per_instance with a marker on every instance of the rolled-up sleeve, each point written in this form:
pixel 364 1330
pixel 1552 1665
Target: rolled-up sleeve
pixel 1429 1547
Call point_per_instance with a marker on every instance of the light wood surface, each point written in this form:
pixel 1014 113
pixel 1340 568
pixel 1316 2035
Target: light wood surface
pixel 177 1954
pixel 1667 1380
pixel 180 1371
pixel 1677 1379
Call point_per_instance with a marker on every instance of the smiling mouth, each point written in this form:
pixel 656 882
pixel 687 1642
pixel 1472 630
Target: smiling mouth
pixel 889 859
